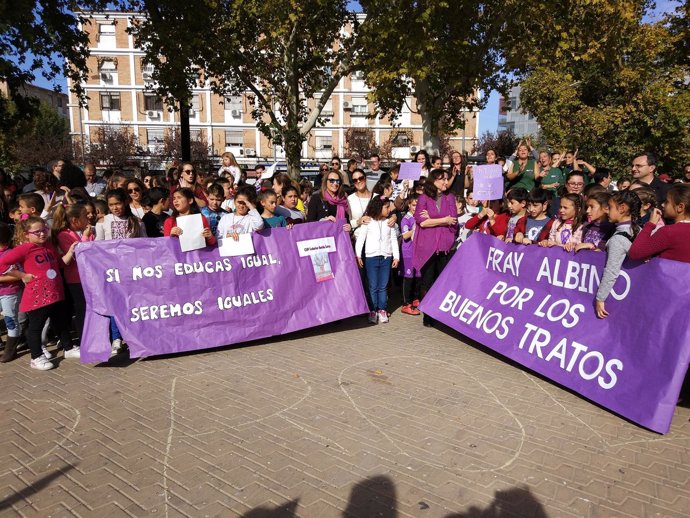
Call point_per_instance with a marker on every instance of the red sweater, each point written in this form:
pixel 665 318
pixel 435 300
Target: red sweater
pixel 669 242
pixel 65 239
pixel 171 223
pixel 43 262
pixel 499 228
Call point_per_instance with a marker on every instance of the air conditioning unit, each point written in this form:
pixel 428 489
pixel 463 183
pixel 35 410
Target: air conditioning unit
pixel 152 114
pixel 250 151
pixel 192 112
pixel 148 76
pixel 347 105
pixel 235 113
pixel 414 149
pixel 108 78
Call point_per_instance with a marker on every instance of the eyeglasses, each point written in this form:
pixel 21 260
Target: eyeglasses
pixel 358 179
pixel 571 184
pixel 41 232
pixel 188 171
pixel 130 191
pixel 335 163
pixel 333 180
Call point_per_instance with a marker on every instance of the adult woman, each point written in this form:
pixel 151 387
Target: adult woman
pixel 574 184
pixel 358 201
pixel 116 181
pixel 436 217
pixel 135 189
pixel 423 158
pixel 330 203
pixel 458 180
pixel 188 179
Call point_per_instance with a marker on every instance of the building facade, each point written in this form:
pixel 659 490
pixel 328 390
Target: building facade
pixel 119 98
pixel 57 100
pixel 511 116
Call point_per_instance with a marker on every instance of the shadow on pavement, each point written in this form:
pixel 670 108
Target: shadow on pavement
pixel 33 489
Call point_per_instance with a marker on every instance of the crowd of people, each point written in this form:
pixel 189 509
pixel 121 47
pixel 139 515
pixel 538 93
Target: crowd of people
pixel 401 229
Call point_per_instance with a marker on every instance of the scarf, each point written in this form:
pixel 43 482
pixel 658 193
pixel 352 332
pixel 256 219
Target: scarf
pixel 340 203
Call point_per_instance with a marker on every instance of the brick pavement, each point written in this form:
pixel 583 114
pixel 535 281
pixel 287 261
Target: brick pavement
pixel 345 420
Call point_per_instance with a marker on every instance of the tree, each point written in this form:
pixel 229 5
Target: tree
pixel 360 143
pixel 502 142
pixel 112 147
pixel 441 52
pixel 614 89
pixel 282 52
pixel 44 137
pixel 170 149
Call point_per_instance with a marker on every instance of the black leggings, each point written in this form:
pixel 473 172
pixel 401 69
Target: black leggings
pixel 411 288
pixel 432 270
pixel 60 323
pixel 79 304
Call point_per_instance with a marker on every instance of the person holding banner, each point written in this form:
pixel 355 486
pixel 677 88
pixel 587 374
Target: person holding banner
pixel 184 204
pixel 436 217
pixel 330 203
pixel 567 231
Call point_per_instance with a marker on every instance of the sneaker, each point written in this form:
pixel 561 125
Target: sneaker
pixel 373 316
pixel 383 316
pixel 73 352
pixel 410 310
pixel 117 347
pixel 48 355
pixel 42 364
pixel 416 303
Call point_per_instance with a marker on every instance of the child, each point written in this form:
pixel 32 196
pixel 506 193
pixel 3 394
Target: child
pixel 43 293
pixel 472 206
pixel 213 211
pixel 184 204
pixel 101 210
pixel 381 254
pixel 230 168
pixel 228 204
pixel 157 201
pixel 411 285
pixel 244 220
pixel 567 231
pixel 517 203
pixel 648 199
pixel 598 229
pixel 119 224
pixel 536 225
pixel 70 227
pixel 490 220
pixel 671 241
pixel 91 213
pixel 10 292
pixel 288 209
pixel 268 201
pixel 624 213
pixel 306 190
pixel 463 217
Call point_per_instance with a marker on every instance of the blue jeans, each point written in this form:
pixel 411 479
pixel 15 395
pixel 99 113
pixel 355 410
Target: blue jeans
pixel 114 331
pixel 378 272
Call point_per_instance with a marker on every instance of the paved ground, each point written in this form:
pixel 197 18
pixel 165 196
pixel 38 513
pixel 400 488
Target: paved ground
pixel 345 420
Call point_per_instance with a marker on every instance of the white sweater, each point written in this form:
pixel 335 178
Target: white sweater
pixel 378 239
pixel 232 223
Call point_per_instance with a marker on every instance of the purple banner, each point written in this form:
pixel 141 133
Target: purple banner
pixel 168 301
pixel 536 306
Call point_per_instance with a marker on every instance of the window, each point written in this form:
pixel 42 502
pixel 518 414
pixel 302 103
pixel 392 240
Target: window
pixel 359 106
pixel 195 135
pixel 152 103
pixel 234 102
pixel 108 72
pixel 196 105
pixel 327 108
pixel 106 35
pixel 234 138
pixel 110 101
pixel 324 142
pixel 401 139
pixel 154 136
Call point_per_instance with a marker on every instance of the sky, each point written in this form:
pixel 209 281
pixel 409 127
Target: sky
pixel 488 117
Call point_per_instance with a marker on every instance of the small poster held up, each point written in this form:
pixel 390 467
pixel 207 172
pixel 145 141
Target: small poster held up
pixel 488 182
pixel 192 229
pixel 410 171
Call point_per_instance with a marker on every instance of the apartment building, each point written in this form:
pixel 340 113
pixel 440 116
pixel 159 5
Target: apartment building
pixel 119 98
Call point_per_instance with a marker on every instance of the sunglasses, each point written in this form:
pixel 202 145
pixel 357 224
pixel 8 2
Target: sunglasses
pixel 358 179
pixel 130 191
pixel 188 171
pixel 335 163
pixel 333 180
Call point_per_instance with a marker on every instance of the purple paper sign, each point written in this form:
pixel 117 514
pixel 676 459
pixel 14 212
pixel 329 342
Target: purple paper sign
pixel 167 301
pixel 536 306
pixel 410 171
pixel 488 182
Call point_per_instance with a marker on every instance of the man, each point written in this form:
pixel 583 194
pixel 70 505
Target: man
pixel 55 167
pixel 375 171
pixel 554 177
pixel 602 176
pixel 686 174
pixel 643 169
pixel 94 185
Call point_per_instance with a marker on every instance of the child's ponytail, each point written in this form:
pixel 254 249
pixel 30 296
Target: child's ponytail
pixel 634 203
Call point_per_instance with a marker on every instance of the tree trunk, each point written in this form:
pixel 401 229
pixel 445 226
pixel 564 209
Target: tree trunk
pixel 430 130
pixel 185 140
pixel 293 152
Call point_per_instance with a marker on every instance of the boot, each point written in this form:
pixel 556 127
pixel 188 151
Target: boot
pixel 10 349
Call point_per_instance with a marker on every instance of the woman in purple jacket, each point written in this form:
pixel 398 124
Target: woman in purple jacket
pixel 437 220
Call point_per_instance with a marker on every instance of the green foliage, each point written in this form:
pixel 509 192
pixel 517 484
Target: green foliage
pixel 502 142
pixel 605 82
pixel 441 52
pixel 42 138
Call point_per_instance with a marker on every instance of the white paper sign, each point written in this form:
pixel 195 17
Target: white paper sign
pixel 269 172
pixel 319 245
pixel 231 248
pixel 192 227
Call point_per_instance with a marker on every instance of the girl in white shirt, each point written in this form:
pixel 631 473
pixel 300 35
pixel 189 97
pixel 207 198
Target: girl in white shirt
pixel 244 220
pixel 381 253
